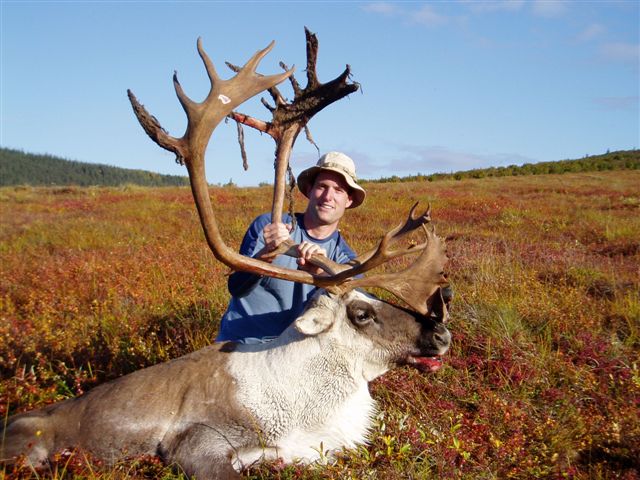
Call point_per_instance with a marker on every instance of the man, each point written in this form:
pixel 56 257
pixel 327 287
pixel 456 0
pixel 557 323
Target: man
pixel 261 308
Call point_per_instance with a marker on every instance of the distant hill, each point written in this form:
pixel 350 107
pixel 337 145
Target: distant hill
pixel 20 168
pixel 620 160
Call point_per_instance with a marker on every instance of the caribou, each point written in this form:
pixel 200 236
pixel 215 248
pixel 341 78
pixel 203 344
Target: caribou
pixel 220 409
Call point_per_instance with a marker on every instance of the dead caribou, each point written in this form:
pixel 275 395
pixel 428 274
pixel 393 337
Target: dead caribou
pixel 217 410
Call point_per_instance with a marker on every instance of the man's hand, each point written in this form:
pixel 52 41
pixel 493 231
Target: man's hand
pixel 274 234
pixel 306 251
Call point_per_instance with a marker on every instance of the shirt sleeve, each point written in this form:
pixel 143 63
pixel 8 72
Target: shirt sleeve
pixel 241 283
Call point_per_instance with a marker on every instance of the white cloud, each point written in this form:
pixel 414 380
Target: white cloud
pixel 494 6
pixel 384 8
pixel 620 52
pixel 435 159
pixel 629 103
pixel 549 8
pixel 366 165
pixel 427 16
pixel 592 31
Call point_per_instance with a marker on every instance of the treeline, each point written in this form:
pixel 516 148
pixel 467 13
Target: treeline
pixel 621 160
pixel 20 168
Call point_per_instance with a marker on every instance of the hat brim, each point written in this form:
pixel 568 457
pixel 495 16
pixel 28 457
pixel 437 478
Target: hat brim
pixel 308 176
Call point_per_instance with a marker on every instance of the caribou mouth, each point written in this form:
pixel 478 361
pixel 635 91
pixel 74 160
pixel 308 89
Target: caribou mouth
pixel 425 364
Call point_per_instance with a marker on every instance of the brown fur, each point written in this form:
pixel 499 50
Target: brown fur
pixel 173 410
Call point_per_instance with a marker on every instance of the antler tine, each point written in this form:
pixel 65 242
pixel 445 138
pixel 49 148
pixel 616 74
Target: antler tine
pixel 253 62
pixel 155 131
pixel 412 222
pixel 297 90
pixel 187 104
pixel 312 58
pixel 273 91
pixel 208 64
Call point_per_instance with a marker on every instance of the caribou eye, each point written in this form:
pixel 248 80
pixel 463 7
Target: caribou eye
pixel 362 317
pixel 361 313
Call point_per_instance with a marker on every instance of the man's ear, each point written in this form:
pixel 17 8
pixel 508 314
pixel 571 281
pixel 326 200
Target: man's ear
pixel 350 201
pixel 317 317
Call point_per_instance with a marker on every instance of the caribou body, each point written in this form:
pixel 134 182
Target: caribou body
pixel 222 408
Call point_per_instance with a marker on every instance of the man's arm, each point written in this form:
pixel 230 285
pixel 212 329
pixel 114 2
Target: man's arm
pixel 258 235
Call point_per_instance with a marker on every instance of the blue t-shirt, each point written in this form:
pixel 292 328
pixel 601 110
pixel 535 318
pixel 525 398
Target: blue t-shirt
pixel 261 308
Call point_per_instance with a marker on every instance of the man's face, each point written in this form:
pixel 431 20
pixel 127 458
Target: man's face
pixel 328 198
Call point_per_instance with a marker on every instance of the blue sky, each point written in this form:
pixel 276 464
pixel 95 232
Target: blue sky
pixel 445 85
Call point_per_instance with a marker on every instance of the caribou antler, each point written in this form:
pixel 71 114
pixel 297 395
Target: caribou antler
pixel 290 118
pixel 412 223
pixel 203 118
pixel 415 285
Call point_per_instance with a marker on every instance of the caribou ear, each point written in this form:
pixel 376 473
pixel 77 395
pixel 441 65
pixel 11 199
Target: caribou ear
pixel 318 316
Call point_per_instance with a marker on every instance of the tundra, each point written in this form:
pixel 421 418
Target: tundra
pixel 220 409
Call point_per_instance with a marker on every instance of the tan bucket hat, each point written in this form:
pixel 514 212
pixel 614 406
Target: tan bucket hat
pixel 333 162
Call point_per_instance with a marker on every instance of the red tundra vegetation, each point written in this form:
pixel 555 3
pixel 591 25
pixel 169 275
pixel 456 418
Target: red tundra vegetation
pixel 543 379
